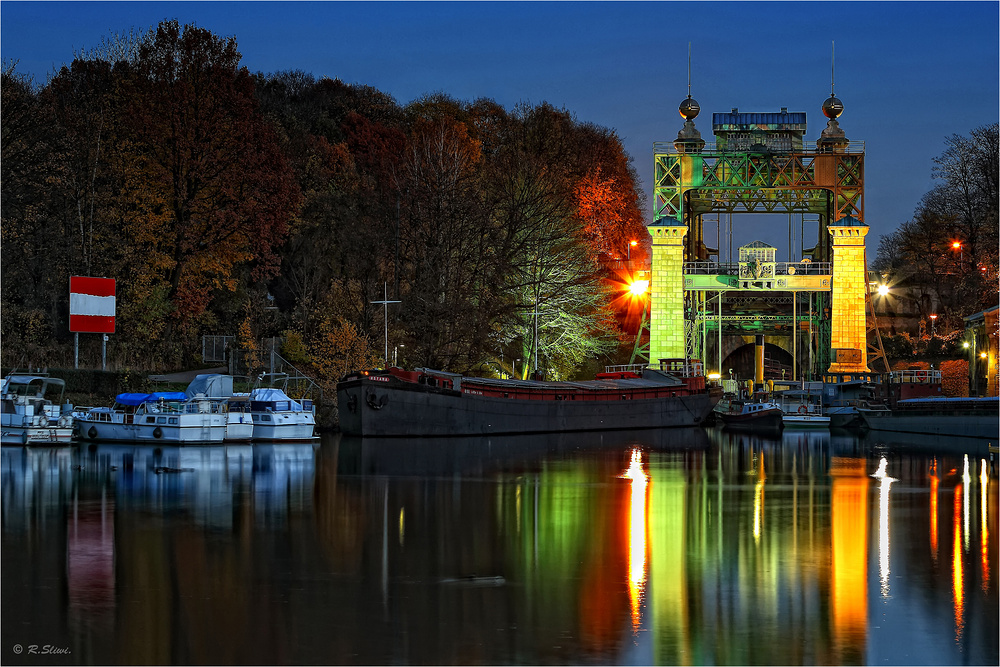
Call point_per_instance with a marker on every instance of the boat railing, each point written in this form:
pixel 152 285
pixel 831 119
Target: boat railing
pixel 626 368
pixel 915 377
pixel 682 367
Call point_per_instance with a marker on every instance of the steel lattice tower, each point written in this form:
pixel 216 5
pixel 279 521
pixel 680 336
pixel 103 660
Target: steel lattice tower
pixel 760 163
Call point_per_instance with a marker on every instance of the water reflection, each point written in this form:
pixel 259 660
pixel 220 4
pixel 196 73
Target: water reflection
pixel 885 481
pixel 637 534
pixel 676 547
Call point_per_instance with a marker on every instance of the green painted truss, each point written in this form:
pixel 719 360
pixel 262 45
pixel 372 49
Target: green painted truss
pixel 830 184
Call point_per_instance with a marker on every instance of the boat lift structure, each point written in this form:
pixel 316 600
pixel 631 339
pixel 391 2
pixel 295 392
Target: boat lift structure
pixel 817 306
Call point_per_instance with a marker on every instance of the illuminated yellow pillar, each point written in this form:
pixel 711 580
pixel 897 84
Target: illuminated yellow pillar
pixel 666 300
pixel 850 280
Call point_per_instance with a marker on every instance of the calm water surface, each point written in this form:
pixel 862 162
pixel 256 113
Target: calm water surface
pixel 673 547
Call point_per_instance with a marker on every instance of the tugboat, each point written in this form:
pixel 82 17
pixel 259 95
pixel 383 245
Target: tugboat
pixel 753 414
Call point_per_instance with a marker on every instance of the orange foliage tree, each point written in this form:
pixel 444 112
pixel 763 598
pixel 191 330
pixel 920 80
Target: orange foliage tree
pixel 335 348
pixel 955 377
pixel 226 188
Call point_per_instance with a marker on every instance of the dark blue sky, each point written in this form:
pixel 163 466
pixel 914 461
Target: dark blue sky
pixel 909 73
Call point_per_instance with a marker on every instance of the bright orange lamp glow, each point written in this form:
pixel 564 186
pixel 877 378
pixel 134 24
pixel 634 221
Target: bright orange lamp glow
pixel 639 287
pixel 956 244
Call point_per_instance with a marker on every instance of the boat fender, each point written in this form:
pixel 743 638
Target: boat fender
pixel 376 402
pixel 92 432
pixel 157 432
pixel 803 410
pixel 352 403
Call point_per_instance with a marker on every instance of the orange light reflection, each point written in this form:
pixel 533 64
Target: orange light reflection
pixel 957 580
pixel 984 538
pixel 934 517
pixel 637 535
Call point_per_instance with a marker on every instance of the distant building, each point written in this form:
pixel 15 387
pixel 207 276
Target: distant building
pixel 981 334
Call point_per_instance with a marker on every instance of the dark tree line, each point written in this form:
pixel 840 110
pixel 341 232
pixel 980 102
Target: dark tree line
pixel 211 193
pixel 951 243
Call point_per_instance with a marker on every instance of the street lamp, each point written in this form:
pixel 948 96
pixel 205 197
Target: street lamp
pixel 883 290
pixel 933 323
pixel 638 287
pixel 628 249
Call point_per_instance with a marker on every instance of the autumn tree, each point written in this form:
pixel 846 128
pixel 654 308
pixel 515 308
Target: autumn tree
pixel 442 242
pixel 34 223
pixel 560 304
pixel 224 192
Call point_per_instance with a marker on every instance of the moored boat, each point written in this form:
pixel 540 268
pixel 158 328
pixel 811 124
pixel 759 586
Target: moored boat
pixel 33 412
pixel 964 417
pixel 425 402
pixel 802 409
pixel 276 416
pixel 752 415
pixel 217 386
pixel 157 417
pixel 264 414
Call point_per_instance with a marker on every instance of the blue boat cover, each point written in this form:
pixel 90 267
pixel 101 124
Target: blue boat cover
pixel 138 399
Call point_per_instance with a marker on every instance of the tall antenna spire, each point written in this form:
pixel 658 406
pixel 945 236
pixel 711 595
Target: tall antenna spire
pixel 689 69
pixel 832 60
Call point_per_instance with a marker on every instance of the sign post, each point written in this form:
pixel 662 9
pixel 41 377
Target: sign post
pixel 91 310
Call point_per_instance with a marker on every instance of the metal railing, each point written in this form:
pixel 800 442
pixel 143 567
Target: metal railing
pixel 780 268
pixel 916 377
pixel 711 149
pixel 682 367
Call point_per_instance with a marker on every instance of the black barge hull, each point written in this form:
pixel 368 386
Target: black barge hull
pixel 370 408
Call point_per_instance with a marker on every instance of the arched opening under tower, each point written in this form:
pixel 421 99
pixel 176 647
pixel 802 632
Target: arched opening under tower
pixel 742 363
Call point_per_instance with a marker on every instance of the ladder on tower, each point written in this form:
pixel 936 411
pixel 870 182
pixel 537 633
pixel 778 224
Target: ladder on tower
pixel 875 351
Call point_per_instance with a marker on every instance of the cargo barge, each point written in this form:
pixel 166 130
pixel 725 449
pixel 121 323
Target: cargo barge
pixel 963 417
pixel 424 402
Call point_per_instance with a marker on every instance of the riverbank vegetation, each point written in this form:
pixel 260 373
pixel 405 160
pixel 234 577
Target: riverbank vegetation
pixel 256 206
pixel 264 206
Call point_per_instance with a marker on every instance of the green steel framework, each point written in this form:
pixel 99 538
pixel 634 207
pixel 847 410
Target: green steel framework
pixel 688 185
pixel 828 182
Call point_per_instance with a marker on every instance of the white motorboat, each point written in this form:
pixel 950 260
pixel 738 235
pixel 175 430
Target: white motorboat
pixel 157 417
pixel 32 411
pixel 276 416
pixel 216 386
pixel 266 413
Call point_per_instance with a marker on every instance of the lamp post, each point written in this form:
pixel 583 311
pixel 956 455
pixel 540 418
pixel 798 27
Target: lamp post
pixel 385 317
pixel 933 325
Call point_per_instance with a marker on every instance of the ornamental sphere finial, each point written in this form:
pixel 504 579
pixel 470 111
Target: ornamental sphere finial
pixel 833 107
pixel 689 109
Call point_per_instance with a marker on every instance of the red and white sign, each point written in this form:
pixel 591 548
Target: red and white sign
pixel 91 304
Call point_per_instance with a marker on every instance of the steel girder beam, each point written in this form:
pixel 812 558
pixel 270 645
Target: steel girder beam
pixel 749 174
